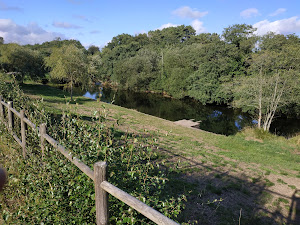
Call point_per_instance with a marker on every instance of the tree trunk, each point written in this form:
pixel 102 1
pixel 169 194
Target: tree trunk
pixel 260 101
pixel 71 88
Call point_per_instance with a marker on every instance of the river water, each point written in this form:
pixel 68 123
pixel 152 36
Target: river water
pixel 216 119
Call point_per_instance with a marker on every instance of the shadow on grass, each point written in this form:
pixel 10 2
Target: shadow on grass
pixel 294 212
pixel 216 197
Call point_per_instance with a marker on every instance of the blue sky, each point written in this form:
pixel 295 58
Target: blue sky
pixel 95 22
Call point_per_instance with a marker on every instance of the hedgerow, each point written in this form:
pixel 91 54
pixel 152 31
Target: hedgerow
pixel 51 190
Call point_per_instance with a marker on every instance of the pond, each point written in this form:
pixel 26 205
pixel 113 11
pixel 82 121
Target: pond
pixel 216 119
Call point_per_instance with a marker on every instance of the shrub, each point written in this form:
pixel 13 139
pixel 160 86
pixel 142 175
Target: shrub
pixel 55 191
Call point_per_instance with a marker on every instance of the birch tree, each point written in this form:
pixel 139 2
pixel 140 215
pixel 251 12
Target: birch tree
pixel 273 82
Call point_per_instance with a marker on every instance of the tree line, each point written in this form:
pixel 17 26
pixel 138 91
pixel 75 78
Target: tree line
pixel 259 74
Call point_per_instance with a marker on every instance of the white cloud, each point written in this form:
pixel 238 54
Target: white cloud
pixel 278 11
pixel 167 25
pixel 65 25
pixel 95 32
pixel 198 26
pixel 30 34
pixel 284 26
pixel 140 32
pixel 4 7
pixel 187 12
pixel 248 13
pixel 81 17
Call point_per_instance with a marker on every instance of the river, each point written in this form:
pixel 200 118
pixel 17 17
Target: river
pixel 216 119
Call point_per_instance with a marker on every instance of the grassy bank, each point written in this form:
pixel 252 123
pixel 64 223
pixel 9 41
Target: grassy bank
pixel 251 177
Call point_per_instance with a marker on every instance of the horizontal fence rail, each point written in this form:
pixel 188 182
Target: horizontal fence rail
pixel 99 175
pixel 139 206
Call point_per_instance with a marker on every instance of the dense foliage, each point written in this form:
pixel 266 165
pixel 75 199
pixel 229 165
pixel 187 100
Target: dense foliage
pixel 258 74
pixel 52 190
pixel 177 62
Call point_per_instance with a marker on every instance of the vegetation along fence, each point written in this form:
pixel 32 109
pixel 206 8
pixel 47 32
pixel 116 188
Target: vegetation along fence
pixel 102 187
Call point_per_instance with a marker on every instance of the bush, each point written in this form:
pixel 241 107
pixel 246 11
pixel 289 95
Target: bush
pixel 52 190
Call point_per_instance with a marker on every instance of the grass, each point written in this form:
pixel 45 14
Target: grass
pixel 10 157
pixel 272 152
pixel 281 181
pixel 199 159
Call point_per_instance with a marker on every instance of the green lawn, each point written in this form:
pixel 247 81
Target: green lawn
pixel 222 166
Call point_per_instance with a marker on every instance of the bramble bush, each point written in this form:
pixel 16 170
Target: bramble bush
pixel 51 190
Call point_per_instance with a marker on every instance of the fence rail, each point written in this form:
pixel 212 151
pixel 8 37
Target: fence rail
pixel 99 175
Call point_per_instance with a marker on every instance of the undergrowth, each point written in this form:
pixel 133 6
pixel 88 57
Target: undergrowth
pixel 51 190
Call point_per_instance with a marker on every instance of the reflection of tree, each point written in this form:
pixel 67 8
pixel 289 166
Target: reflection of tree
pixel 213 118
pixel 216 119
pixel 285 126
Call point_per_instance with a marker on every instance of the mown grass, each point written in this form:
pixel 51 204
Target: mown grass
pixel 271 151
pixel 263 154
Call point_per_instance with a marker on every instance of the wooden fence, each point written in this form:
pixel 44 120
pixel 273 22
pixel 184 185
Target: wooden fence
pixel 99 175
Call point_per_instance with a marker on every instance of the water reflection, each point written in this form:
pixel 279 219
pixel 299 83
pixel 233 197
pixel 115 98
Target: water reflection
pixel 216 119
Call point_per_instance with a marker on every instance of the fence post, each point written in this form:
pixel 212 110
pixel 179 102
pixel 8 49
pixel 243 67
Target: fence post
pixel 1 109
pixel 23 134
pixel 10 116
pixel 101 196
pixel 42 139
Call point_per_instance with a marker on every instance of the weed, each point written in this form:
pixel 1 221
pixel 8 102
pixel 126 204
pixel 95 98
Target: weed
pixel 281 181
pixel 292 187
pixel 268 172
pixel 265 198
pixel 213 189
pixel 283 200
pixel 235 186
pixel 283 173
pixel 269 183
pixel 255 179
pixel 218 175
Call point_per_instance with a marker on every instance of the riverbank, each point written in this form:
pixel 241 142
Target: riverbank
pixel 249 170
pixel 220 119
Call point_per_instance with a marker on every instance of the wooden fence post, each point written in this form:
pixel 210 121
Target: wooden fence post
pixel 1 109
pixel 101 196
pixel 23 134
pixel 42 138
pixel 10 116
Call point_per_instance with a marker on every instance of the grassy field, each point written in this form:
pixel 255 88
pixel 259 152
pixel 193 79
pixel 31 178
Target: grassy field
pixel 249 178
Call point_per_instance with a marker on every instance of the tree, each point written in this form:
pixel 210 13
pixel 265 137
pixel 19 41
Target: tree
pixel 237 34
pixel 218 64
pixel 137 72
pixel 171 35
pixel 21 61
pixel 92 50
pixel 94 66
pixel 1 40
pixel 69 63
pixel 273 83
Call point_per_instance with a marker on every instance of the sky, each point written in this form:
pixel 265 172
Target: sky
pixel 96 22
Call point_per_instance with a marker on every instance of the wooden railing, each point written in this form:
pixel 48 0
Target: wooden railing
pixel 98 175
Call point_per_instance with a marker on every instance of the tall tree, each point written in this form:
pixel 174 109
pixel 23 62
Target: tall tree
pixel 239 35
pixel 137 72
pixel 69 63
pixel 92 50
pixel 22 61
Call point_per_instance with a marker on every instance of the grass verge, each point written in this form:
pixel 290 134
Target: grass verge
pixel 222 174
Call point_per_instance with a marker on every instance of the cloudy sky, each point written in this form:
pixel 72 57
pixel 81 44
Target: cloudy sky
pixel 95 22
